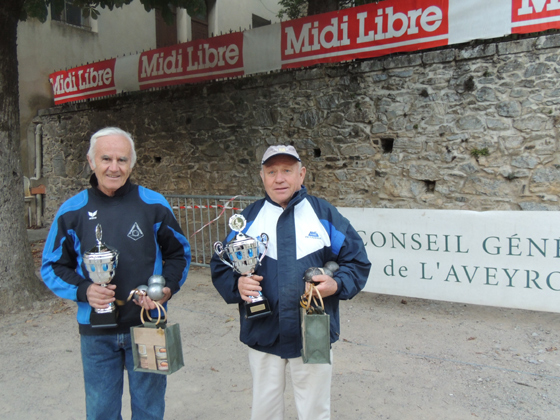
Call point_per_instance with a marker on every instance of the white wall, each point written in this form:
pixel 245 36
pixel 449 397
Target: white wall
pixel 44 48
pixel 52 46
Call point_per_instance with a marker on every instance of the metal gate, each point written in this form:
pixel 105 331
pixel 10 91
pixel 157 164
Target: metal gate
pixel 204 220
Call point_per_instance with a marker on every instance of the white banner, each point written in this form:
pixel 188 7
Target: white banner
pixel 496 258
pixel 370 30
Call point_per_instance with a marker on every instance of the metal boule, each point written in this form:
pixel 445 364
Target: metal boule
pixel 310 272
pixel 156 279
pixel 331 266
pixel 155 291
pixel 140 291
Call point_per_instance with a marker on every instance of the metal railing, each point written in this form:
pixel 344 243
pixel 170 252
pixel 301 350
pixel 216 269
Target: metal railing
pixel 204 220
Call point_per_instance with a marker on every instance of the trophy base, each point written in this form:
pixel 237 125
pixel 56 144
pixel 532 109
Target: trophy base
pixel 257 308
pixel 103 319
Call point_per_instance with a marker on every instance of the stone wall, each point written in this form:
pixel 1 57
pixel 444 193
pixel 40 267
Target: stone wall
pixel 474 128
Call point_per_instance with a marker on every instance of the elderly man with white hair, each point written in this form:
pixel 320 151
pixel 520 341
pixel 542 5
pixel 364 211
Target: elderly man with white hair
pixel 140 225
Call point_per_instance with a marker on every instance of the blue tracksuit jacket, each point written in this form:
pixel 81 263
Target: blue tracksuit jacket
pixel 139 224
pixel 308 233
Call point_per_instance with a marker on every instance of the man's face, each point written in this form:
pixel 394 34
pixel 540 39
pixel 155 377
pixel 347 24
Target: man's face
pixel 282 176
pixel 112 162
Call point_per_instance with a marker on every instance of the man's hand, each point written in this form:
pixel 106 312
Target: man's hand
pixel 327 286
pixel 148 303
pixel 100 297
pixel 249 286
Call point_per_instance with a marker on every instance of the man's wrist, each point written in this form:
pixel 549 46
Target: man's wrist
pixel 81 293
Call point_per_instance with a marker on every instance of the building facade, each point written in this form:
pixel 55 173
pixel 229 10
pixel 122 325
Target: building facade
pixel 68 40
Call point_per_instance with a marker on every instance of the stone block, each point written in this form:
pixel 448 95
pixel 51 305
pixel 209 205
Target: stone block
pixel 510 109
pixel 424 172
pixel 530 123
pixel 516 47
pixel 405 60
pixel 548 41
pixel 480 51
pixel 367 66
pixel 440 56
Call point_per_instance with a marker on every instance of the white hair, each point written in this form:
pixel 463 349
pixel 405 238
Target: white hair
pixel 108 131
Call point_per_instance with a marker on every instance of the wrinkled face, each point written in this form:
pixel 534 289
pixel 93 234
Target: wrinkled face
pixel 112 162
pixel 282 176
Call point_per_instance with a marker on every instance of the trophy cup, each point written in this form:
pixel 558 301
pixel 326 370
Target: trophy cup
pixel 244 256
pixel 101 262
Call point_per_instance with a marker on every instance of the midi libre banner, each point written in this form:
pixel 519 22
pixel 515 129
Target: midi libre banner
pixel 371 30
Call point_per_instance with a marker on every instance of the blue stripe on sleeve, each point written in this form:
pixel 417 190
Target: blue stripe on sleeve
pixel 56 284
pixel 158 264
pixel 337 237
pixel 84 312
pixel 52 254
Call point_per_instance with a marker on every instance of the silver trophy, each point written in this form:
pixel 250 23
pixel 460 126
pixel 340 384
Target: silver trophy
pixel 243 253
pixel 101 262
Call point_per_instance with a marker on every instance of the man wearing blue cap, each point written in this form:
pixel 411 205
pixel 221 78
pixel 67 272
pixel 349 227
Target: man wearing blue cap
pixel 304 231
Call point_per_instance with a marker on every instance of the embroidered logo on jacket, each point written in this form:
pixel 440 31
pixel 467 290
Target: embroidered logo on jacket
pixel 313 235
pixel 135 233
pixel 92 215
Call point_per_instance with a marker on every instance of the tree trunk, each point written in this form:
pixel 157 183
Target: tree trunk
pixel 19 286
pixel 316 7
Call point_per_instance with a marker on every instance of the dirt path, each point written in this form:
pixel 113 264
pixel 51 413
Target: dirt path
pixel 397 359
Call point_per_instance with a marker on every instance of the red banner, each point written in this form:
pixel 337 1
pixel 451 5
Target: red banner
pixel 371 30
pixel 90 81
pixel 366 31
pixel 535 15
pixel 195 61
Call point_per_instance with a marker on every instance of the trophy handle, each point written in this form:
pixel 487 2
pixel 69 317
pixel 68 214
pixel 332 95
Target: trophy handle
pixel 219 249
pixel 264 241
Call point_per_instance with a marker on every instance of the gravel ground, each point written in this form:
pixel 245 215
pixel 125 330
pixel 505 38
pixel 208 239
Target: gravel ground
pixel 397 358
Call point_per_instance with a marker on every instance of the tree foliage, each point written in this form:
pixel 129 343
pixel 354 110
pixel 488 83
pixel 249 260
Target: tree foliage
pixel 293 9
pixel 19 286
pixel 40 8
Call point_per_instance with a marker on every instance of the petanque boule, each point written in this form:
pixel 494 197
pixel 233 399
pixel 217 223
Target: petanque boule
pixel 331 266
pixel 156 279
pixel 155 291
pixel 310 272
pixel 140 291
pixel 329 269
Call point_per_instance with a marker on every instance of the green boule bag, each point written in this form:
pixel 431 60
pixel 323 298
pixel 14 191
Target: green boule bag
pixel 156 346
pixel 315 330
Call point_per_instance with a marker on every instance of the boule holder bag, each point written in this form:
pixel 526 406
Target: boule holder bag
pixel 315 330
pixel 156 345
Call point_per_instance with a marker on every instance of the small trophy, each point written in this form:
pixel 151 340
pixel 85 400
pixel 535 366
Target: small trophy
pixel 244 256
pixel 101 262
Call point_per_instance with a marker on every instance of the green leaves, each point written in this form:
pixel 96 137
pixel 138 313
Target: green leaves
pixel 293 9
pixel 40 8
pixel 35 8
pixel 89 11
